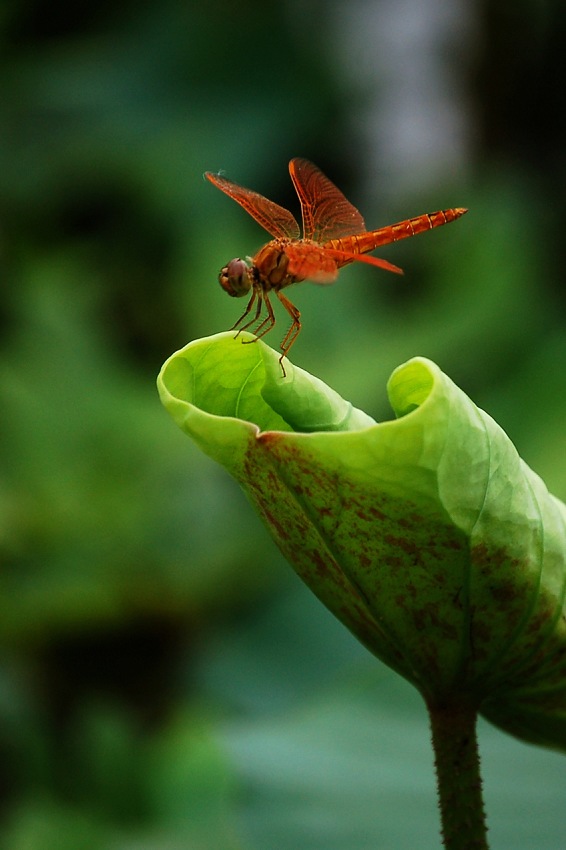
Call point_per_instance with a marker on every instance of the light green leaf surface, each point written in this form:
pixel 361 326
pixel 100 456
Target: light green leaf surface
pixel 427 536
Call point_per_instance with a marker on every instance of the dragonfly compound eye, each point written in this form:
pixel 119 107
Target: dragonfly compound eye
pixel 235 278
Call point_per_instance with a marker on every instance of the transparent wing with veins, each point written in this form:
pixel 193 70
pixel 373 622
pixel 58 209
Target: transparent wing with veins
pixel 328 217
pixel 327 214
pixel 278 221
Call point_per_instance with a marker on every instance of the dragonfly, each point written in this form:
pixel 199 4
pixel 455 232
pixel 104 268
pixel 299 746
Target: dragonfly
pixel 334 234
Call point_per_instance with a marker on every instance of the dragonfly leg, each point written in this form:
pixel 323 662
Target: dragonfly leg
pixel 293 331
pixel 264 327
pixel 255 294
pixel 266 324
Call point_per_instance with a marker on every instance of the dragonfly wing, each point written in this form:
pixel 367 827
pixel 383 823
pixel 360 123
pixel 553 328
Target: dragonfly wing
pixel 327 214
pixel 342 258
pixel 311 262
pixel 278 221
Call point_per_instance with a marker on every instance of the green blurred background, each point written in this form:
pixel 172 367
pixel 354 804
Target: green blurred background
pixel 165 680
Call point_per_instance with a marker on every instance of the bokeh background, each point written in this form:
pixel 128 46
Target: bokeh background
pixel 165 680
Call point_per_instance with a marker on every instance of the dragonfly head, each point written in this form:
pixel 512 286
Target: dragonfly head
pixel 236 278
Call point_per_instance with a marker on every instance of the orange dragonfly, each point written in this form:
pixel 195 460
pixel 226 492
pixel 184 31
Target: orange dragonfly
pixel 334 234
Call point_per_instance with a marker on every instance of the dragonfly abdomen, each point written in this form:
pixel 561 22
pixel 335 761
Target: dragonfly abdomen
pixel 361 243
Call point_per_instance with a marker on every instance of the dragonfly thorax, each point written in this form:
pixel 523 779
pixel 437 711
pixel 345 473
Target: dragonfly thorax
pixel 271 265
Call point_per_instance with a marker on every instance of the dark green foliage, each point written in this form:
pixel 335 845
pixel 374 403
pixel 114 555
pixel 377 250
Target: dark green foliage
pixel 130 565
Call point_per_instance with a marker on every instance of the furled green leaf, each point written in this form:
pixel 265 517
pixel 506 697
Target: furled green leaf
pixel 427 536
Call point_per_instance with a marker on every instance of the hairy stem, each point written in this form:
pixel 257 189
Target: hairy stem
pixel 457 765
